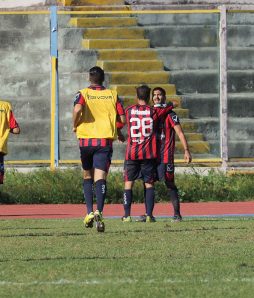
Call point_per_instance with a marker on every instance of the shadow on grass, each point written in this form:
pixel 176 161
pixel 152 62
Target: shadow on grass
pixel 62 258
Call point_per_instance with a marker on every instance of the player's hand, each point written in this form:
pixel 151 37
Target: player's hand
pixel 187 156
pixel 120 137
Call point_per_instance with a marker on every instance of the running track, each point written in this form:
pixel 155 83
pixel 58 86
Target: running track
pixel 210 209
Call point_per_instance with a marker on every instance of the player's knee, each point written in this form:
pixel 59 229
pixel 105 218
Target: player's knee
pixel 171 185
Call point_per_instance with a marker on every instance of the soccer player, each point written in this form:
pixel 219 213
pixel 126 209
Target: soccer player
pixel 141 150
pixel 8 124
pixel 167 129
pixel 98 116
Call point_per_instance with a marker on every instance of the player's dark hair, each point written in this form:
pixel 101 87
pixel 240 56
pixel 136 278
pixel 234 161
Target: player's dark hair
pixel 143 93
pixel 96 75
pixel 163 91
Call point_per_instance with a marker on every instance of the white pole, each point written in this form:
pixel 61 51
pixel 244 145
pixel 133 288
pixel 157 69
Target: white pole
pixel 223 89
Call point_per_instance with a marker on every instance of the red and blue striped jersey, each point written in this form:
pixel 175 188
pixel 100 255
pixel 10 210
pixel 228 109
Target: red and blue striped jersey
pixel 166 137
pixel 142 122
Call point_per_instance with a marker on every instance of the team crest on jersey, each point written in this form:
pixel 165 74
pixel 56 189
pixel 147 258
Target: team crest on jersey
pixel 175 118
pixel 170 167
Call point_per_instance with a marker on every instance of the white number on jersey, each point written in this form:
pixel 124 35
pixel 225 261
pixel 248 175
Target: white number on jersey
pixel 146 125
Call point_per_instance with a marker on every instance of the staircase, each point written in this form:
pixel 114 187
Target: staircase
pixel 128 60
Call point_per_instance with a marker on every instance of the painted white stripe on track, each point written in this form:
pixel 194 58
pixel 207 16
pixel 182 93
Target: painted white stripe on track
pixel 116 282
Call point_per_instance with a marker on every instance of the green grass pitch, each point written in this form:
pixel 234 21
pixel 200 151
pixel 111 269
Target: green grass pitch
pixel 199 257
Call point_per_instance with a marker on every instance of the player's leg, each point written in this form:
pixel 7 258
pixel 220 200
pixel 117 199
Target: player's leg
pixel 86 155
pixel 173 191
pixel 1 168
pixel 101 164
pixel 131 173
pixel 148 170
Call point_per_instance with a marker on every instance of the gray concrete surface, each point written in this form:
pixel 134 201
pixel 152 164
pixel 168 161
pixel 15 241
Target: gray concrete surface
pixel 189 49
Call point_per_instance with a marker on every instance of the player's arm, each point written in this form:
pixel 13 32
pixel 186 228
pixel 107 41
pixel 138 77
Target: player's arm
pixel 180 133
pixel 79 102
pixel 120 120
pixel 14 127
pixel 77 112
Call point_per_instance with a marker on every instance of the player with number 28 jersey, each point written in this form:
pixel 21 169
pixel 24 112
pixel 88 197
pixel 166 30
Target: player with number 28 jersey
pixel 142 121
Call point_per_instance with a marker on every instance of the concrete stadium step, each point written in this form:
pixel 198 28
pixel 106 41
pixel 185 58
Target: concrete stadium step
pixel 114 43
pixel 236 149
pixel 245 148
pixel 182 36
pixel 208 126
pixel 130 100
pixel 207 105
pixel 189 126
pixel 192 136
pixel 100 8
pixel 241 105
pixel 127 54
pixel 198 36
pixel 189 58
pixel 91 2
pixel 195 81
pixel 103 22
pixel 151 77
pixel 155 19
pixel 196 147
pixel 240 36
pixel 241 80
pixel 193 19
pixel 133 65
pixel 114 33
pixel 130 90
pixel 205 57
pixel 206 81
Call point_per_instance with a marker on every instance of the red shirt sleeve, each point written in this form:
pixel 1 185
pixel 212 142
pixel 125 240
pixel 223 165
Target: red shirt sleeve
pixel 13 123
pixel 120 111
pixel 119 107
pixel 79 99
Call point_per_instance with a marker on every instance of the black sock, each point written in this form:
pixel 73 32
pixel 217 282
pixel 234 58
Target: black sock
pixel 150 200
pixel 88 194
pixel 100 192
pixel 173 194
pixel 127 200
pixel 145 198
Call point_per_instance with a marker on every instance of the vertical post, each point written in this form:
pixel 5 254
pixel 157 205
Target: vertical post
pixel 223 88
pixel 54 139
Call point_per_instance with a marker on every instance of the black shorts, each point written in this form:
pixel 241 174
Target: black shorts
pixel 96 157
pixel 1 168
pixel 140 169
pixel 166 172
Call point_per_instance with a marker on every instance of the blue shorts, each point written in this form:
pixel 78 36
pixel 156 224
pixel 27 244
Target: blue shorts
pixel 140 169
pixel 166 172
pixel 96 157
pixel 1 168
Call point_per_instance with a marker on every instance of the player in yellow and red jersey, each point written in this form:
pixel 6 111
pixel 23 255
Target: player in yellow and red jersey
pixel 98 116
pixel 8 124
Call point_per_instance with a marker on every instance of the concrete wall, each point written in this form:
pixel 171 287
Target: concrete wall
pixel 189 49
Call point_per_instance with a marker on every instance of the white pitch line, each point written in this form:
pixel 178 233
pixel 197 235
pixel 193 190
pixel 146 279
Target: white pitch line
pixel 120 281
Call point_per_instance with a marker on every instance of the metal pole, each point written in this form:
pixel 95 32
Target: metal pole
pixel 223 88
pixel 54 140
